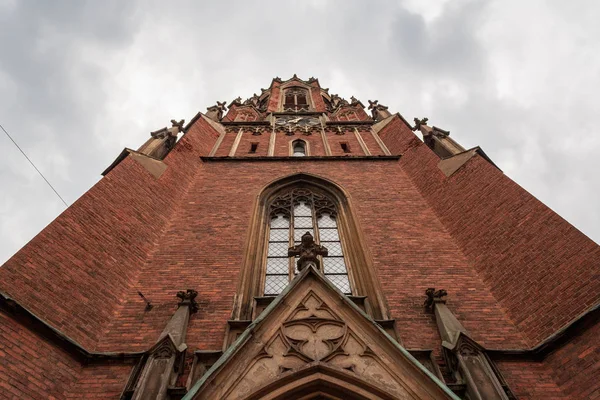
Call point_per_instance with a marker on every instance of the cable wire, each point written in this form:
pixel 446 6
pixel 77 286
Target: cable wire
pixel 36 168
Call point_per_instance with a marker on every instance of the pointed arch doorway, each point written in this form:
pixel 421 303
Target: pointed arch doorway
pixel 319 382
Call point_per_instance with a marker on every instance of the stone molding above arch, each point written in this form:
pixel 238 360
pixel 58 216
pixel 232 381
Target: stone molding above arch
pixel 313 339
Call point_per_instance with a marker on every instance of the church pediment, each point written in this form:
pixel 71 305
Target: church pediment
pixel 313 335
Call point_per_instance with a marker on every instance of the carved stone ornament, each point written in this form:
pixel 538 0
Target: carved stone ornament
pixel 188 298
pixel 216 112
pixel 297 122
pixel 162 140
pixel 434 296
pixel 465 358
pixel 419 122
pixel 308 251
pixel 310 334
pixel 252 101
pixel 337 101
pixel 378 111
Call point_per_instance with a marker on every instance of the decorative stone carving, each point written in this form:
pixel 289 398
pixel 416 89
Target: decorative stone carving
pixel 188 298
pixel 311 330
pixel 465 358
pixel 308 251
pixel 252 101
pixel 378 111
pixel 437 139
pixel 337 101
pixel 216 112
pixel 162 140
pixel 297 122
pixel 434 296
pixel 419 122
pixel 166 357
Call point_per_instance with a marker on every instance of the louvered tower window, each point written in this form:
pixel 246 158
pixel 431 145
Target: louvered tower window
pixel 292 215
pixel 295 99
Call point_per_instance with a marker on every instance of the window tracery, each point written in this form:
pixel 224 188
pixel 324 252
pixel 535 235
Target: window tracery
pixel 292 214
pixel 295 99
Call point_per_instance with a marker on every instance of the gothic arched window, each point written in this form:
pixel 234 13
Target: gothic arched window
pixel 295 99
pixel 292 214
pixel 285 210
pixel 298 148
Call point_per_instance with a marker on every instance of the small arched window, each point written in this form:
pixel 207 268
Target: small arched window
pixel 299 148
pixel 295 99
pixel 292 215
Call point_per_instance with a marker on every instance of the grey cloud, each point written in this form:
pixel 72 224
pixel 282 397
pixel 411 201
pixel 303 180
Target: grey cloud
pixel 85 79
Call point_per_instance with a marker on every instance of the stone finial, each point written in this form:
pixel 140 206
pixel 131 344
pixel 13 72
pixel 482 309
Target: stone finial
pixel 337 101
pixel 434 296
pixel 188 298
pixel 179 125
pixel 308 251
pixel 378 111
pixel 162 140
pixel 252 101
pixel 419 122
pixel 353 100
pixel 216 112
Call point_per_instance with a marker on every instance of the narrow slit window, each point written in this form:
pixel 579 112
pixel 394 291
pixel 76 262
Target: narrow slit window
pixel 345 147
pixel 253 147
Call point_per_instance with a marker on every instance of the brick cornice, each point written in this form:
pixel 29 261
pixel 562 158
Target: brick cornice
pixel 24 316
pixel 37 325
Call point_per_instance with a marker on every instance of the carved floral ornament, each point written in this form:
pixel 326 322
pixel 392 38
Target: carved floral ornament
pixel 312 333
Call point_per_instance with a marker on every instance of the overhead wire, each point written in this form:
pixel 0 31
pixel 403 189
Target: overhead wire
pixel 36 168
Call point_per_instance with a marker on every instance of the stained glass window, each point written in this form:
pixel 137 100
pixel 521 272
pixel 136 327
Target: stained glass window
pixel 292 215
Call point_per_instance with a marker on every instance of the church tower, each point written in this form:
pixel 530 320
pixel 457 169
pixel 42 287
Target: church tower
pixel 298 245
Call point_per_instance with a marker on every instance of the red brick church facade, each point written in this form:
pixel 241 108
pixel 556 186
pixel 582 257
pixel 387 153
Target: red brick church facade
pixel 186 272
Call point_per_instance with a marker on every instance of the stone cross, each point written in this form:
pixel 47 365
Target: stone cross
pixel 308 251
pixel 419 122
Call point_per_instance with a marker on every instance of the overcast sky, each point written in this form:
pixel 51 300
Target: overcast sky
pixel 81 80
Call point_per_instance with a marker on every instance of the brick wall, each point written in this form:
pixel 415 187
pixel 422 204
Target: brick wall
pixel 531 380
pixel 539 267
pixel 30 366
pixel 576 365
pixel 188 229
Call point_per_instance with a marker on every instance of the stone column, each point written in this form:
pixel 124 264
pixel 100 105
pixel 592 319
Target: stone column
pixel 464 356
pixel 165 359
